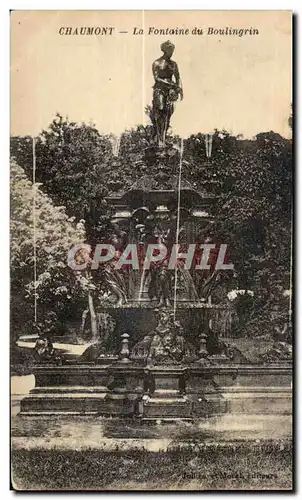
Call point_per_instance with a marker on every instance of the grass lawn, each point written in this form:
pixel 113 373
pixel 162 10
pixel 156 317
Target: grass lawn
pixel 196 466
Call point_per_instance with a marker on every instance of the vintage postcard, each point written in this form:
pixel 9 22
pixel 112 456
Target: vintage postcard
pixel 151 209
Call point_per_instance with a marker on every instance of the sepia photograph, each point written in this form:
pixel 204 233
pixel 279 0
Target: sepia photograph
pixel 151 186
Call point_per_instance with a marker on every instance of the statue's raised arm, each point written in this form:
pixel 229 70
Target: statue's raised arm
pixel 167 89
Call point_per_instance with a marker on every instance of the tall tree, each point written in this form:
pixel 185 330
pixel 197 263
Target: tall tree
pixel 73 164
pixel 61 292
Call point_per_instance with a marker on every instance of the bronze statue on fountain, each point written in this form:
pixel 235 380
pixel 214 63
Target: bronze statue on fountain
pixel 166 91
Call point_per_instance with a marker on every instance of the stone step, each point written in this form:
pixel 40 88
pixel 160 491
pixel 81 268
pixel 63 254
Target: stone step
pixel 162 400
pixel 166 394
pixel 75 403
pixel 165 420
pixel 58 395
pixel 67 389
pixel 165 409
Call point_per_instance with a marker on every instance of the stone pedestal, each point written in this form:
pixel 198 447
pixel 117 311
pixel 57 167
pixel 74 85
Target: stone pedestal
pixel 165 399
pixel 125 389
pixel 204 394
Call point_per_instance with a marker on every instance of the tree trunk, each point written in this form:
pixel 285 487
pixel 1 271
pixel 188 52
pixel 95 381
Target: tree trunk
pixel 84 316
pixel 93 320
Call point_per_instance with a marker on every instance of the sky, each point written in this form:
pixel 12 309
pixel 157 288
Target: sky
pixel 241 84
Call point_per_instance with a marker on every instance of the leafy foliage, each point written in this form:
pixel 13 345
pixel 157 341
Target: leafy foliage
pixel 252 181
pixel 73 165
pixel 59 290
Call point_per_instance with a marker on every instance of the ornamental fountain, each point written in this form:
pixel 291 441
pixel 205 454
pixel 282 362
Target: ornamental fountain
pixel 156 359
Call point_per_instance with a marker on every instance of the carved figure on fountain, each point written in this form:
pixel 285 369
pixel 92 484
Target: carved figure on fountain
pixel 160 284
pixel 166 344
